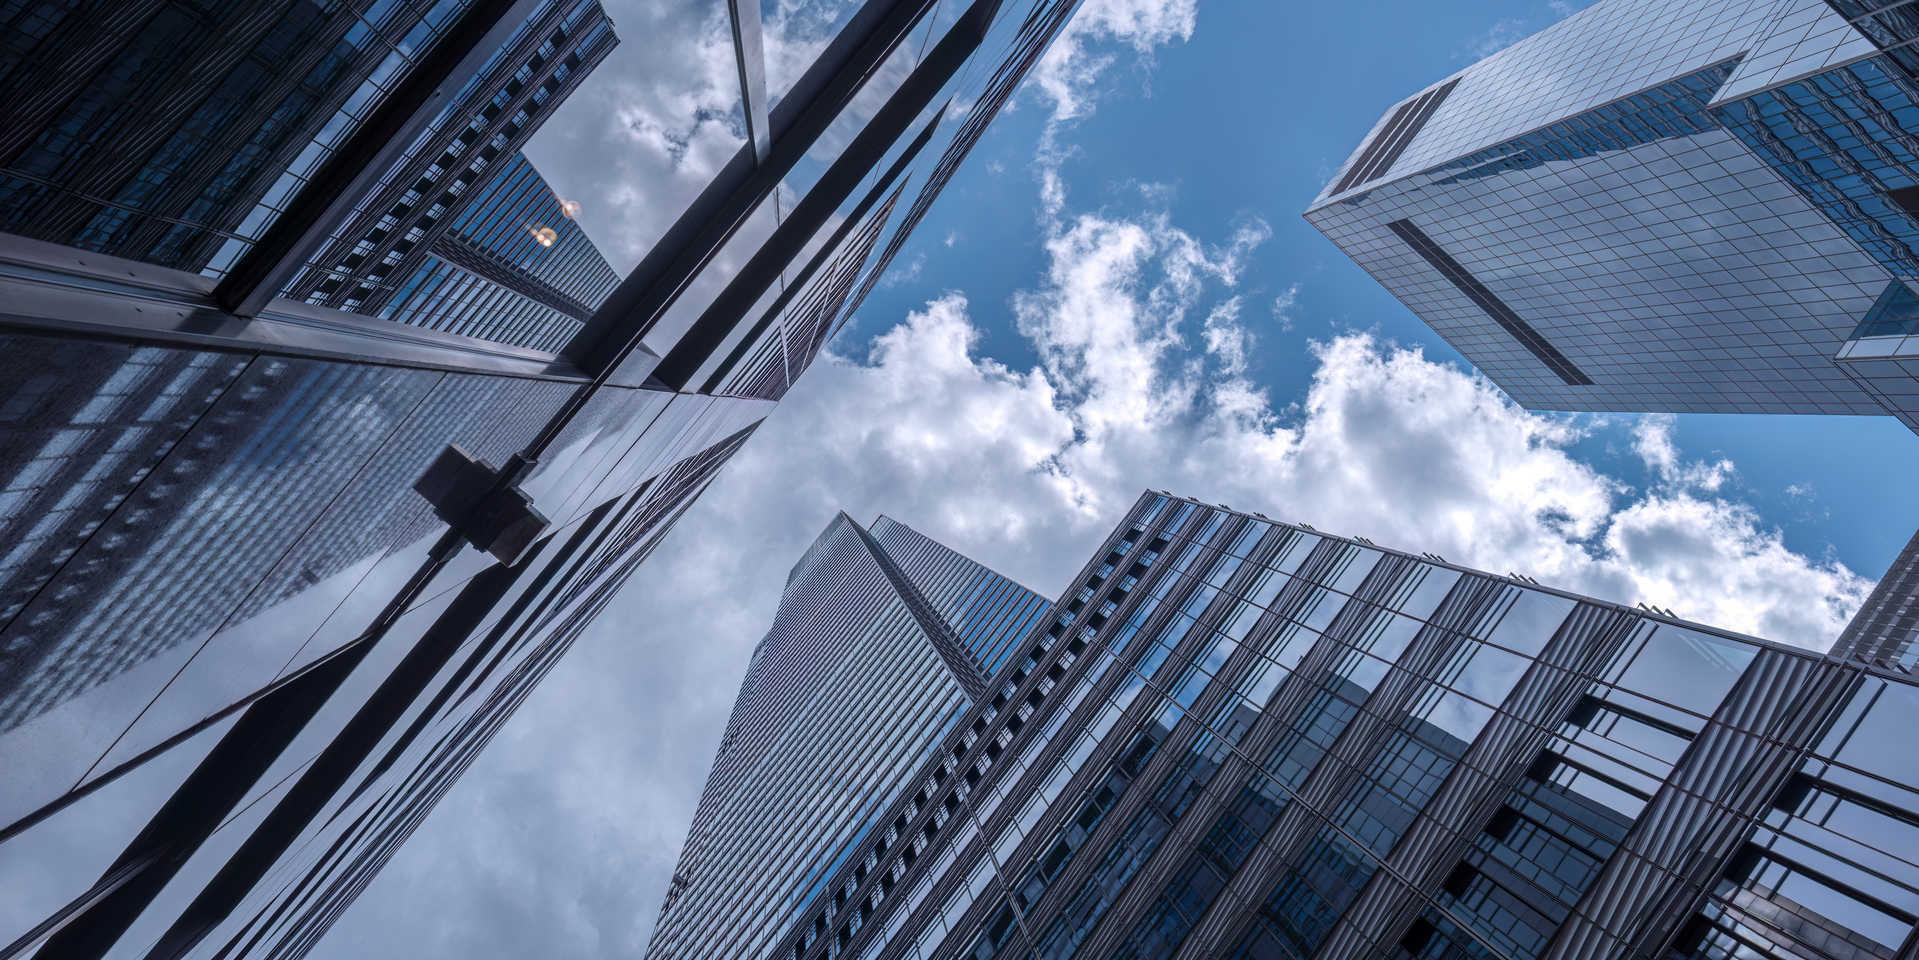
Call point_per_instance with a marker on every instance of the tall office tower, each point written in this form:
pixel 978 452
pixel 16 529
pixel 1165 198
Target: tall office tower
pixel 1662 206
pixel 1887 624
pixel 882 639
pixel 313 557
pixel 1250 739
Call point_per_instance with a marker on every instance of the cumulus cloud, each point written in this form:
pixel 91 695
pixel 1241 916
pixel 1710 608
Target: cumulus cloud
pixel 1384 444
pixel 1071 72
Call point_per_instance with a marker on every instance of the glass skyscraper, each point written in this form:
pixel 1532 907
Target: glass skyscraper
pixel 882 640
pixel 1240 738
pixel 1658 206
pixel 1887 624
pixel 311 545
pixel 1665 206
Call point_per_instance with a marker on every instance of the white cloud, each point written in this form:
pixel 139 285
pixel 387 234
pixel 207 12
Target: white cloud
pixel 1283 306
pixel 1074 68
pixel 1498 37
pixel 1384 444
pixel 642 136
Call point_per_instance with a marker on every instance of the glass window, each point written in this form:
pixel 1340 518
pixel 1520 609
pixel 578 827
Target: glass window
pixel 1433 584
pixel 1883 741
pixel 1485 673
pixel 1294 553
pixel 1685 668
pixel 1532 621
pixel 1454 714
pixel 1363 562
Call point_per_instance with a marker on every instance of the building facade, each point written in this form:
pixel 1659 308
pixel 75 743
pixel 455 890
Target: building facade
pixel 1659 206
pixel 450 239
pixel 1887 624
pixel 882 639
pixel 313 558
pixel 1240 738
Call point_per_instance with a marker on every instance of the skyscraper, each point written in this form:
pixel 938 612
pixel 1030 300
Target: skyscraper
pixel 1657 206
pixel 326 552
pixel 1668 207
pixel 447 239
pixel 1241 738
pixel 1887 624
pixel 883 638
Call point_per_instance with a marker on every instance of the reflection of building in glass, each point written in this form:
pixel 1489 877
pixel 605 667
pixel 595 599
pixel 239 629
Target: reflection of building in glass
pixel 173 132
pixel 201 122
pixel 217 517
pixel 447 239
pixel 1658 206
pixel 511 266
pixel 1253 740
pixel 882 639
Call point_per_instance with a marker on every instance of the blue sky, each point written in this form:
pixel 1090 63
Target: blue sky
pixel 1247 119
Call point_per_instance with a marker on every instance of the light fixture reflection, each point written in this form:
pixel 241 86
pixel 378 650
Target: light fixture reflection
pixel 571 208
pixel 543 235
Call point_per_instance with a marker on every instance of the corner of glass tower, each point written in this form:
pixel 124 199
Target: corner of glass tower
pixel 1660 206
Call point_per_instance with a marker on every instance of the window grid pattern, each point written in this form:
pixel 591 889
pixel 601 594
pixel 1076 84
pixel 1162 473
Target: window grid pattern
pixel 1680 274
pixel 293 80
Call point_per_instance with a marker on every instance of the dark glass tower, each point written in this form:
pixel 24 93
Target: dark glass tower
pixel 1887 624
pixel 448 239
pixel 1240 738
pixel 314 557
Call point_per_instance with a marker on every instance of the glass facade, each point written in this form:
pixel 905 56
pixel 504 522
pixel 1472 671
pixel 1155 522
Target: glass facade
pixel 1670 208
pixel 167 133
pixel 1255 740
pixel 1888 623
pixel 314 549
pixel 512 268
pixel 450 238
pixel 881 641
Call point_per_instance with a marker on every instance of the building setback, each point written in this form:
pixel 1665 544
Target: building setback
pixel 1240 738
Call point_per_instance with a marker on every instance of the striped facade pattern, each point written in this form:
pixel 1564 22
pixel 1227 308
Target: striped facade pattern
pixel 881 641
pixel 1242 738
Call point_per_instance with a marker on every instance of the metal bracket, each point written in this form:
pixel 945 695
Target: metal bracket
pixel 457 485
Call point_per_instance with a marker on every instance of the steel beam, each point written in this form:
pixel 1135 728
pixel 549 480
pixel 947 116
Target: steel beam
pixel 747 52
pixel 840 180
pixel 826 251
